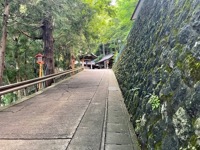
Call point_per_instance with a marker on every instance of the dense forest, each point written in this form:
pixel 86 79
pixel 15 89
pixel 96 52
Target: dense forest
pixel 58 30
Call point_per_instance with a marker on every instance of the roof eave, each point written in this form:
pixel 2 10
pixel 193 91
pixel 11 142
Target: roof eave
pixel 105 59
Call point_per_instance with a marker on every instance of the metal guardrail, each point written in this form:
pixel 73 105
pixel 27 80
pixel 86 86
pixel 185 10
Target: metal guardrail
pixel 22 85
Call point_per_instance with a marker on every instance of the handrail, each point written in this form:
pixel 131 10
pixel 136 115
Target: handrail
pixel 21 85
pixel 31 80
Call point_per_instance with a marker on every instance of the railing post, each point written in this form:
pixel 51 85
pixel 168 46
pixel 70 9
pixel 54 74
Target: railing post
pixel 54 80
pixel 19 94
pixel 25 91
pixel 0 100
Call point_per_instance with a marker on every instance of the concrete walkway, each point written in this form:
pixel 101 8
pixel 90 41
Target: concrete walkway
pixel 85 112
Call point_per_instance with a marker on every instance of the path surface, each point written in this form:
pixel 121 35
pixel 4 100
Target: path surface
pixel 85 112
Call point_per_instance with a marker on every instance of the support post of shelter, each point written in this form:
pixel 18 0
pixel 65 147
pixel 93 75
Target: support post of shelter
pixel 104 55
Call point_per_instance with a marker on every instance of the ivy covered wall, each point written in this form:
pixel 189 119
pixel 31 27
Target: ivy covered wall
pixel 159 75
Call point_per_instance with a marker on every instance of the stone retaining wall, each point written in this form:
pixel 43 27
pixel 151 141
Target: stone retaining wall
pixel 159 74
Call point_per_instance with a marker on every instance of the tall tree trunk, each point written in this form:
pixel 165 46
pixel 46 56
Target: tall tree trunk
pixel 48 46
pixel 17 65
pixel 3 39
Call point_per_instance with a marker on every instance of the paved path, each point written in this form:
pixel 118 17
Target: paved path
pixel 85 112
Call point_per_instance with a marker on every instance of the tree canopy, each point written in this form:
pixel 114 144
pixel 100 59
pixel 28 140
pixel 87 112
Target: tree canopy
pixel 77 26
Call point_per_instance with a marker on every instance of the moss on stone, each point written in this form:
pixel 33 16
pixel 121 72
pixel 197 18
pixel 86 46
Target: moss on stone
pixel 180 64
pixel 178 47
pixel 187 5
pixel 193 122
pixel 159 86
pixel 168 97
pixel 176 2
pixel 150 134
pixel 190 65
pixel 164 40
pixel 193 141
pixel 153 120
pixel 175 32
pixel 168 69
pixel 158 145
pixel 194 67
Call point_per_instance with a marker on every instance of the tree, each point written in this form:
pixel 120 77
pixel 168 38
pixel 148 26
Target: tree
pixel 3 38
pixel 55 28
pixel 60 29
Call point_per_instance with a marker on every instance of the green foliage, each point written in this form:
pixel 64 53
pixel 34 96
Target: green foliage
pixel 154 101
pixel 116 55
pixel 22 9
pixel 70 19
pixel 8 98
pixel 110 23
pixel 122 22
pixel 78 25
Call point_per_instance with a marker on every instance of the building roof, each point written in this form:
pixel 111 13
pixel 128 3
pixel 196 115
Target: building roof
pixel 107 57
pixel 137 9
pixel 90 56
